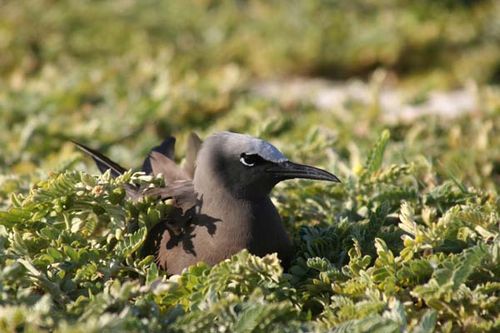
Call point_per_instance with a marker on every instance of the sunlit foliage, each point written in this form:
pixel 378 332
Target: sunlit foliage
pixel 409 242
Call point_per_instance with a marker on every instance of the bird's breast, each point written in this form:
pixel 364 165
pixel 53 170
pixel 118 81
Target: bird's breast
pixel 241 224
pixel 222 228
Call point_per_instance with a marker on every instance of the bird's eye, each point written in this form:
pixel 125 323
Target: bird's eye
pixel 249 160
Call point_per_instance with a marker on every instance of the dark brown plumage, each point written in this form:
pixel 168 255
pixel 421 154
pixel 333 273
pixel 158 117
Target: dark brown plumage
pixel 220 199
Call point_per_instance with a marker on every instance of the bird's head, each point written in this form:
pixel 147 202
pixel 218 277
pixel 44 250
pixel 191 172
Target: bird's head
pixel 248 166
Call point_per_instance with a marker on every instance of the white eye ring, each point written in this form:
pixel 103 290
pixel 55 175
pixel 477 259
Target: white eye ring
pixel 245 163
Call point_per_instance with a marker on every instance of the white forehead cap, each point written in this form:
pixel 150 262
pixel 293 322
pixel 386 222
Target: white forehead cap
pixel 257 146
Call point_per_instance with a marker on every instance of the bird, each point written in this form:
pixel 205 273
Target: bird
pixel 220 197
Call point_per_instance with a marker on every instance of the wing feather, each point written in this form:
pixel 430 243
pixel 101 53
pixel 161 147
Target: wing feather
pixel 166 148
pixel 193 146
pixel 170 171
pixel 181 192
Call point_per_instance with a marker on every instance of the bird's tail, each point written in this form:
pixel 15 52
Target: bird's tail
pixel 159 160
pixel 104 164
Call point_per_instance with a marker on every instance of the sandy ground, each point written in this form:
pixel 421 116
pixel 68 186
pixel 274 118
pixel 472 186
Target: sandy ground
pixel 395 104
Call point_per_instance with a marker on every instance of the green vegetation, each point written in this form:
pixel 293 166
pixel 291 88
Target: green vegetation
pixel 408 242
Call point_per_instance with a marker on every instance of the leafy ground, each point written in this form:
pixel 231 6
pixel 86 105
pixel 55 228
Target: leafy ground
pixel 408 242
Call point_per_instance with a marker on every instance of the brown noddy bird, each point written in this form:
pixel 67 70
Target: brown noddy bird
pixel 220 198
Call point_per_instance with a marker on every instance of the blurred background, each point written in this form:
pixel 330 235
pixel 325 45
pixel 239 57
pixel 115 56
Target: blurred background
pixel 399 98
pixel 121 75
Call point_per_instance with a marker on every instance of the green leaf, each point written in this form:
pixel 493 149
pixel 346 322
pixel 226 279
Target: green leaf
pixel 131 243
pixel 375 156
pixel 427 323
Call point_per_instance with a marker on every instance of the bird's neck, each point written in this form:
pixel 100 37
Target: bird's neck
pixel 216 199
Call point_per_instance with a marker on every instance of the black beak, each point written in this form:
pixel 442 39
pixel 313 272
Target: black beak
pixel 290 170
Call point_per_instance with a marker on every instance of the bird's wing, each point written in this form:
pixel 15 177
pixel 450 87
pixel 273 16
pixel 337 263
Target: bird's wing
pixel 161 164
pixel 180 191
pixel 161 160
pixel 166 148
pixel 193 146
pixel 171 229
